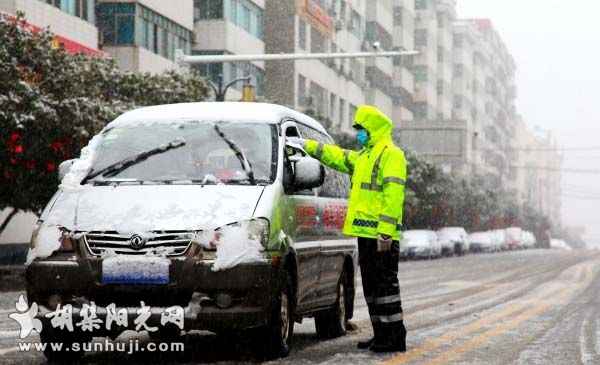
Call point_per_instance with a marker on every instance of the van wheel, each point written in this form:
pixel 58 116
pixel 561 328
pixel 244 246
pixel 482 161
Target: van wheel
pixel 69 341
pixel 332 322
pixel 275 339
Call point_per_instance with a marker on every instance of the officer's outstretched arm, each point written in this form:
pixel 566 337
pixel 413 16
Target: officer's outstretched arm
pixel 332 156
pixel 394 180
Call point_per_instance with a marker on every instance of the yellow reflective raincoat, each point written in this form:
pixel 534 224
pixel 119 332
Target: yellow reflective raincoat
pixel 378 177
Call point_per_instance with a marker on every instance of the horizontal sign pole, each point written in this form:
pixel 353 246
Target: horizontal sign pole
pixel 186 59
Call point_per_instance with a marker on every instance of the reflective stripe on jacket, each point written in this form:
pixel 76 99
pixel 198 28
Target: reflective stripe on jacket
pixel 378 177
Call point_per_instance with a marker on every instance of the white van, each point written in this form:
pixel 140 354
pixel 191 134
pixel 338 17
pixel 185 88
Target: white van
pixel 202 206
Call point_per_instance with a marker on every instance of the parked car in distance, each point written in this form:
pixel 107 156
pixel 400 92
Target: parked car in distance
pixel 420 244
pixel 499 240
pixel 514 238
pixel 528 239
pixel 481 242
pixel 454 240
pixel 560 245
pixel 165 193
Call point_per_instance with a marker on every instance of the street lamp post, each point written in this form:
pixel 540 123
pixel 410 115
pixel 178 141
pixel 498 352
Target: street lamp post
pixel 220 90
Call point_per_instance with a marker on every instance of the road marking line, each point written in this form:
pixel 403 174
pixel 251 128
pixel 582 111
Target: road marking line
pixel 456 352
pixel 473 327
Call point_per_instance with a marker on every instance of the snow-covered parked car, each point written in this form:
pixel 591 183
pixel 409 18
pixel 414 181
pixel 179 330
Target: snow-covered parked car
pixel 481 242
pixel 454 240
pixel 514 238
pixel 420 244
pixel 200 211
pixel 529 240
pixel 560 244
pixel 499 240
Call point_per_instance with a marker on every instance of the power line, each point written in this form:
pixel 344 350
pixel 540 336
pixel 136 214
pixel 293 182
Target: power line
pixel 555 169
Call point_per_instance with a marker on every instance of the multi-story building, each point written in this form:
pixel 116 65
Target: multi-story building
pixel 332 88
pixel 404 81
pixel 72 21
pixel 445 16
pixel 142 35
pixel 380 71
pixel 425 66
pixel 230 27
pixel 537 168
pixel 464 101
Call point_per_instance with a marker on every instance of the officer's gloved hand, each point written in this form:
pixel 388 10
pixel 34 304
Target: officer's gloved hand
pixel 384 243
pixel 295 142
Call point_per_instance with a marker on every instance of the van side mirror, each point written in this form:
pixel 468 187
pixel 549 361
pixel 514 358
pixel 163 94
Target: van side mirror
pixel 64 168
pixel 308 174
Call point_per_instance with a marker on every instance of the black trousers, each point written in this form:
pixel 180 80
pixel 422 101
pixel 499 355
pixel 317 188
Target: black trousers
pixel 379 271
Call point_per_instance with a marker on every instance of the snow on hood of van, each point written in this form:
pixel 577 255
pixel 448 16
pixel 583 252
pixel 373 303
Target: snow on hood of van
pixel 138 209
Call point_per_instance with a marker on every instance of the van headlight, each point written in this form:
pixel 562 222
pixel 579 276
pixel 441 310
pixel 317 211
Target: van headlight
pixel 256 230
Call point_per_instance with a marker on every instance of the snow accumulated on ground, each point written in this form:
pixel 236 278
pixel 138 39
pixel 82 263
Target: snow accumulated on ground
pixel 236 247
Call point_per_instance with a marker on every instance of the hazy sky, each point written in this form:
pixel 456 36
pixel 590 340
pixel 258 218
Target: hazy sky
pixel 556 48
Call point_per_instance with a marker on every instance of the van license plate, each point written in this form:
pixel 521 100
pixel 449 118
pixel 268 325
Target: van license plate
pixel 135 270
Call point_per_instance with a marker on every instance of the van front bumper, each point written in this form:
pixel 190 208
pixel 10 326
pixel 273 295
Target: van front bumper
pixel 236 298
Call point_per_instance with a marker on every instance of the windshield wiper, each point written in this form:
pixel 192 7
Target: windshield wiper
pixel 239 154
pixel 115 168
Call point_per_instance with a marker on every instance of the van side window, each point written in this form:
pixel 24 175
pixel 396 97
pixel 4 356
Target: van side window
pixel 336 184
pixel 288 172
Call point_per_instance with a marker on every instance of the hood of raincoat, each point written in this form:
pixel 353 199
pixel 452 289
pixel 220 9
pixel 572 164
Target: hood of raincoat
pixel 378 124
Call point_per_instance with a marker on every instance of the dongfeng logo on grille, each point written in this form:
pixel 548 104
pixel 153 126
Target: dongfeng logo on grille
pixel 137 242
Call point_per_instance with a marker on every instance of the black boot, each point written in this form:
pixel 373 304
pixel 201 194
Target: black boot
pixel 393 339
pixel 363 345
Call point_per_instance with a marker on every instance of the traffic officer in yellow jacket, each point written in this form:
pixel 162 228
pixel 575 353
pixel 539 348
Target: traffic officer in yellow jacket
pixel 374 215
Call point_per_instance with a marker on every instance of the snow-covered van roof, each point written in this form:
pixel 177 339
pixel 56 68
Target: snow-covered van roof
pixel 215 111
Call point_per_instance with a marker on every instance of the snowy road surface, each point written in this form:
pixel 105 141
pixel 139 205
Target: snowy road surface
pixel 529 307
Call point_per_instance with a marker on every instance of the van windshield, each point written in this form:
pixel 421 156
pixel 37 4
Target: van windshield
pixel 209 155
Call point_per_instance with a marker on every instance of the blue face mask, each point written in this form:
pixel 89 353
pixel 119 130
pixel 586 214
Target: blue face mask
pixel 362 136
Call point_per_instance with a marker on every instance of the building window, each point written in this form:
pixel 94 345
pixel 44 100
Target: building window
pixel 458 69
pixel 398 15
pixel 302 91
pixel 342 112
pixel 83 9
pixel 440 87
pixel 208 9
pixel 458 40
pixel 440 54
pixel 356 24
pixel 421 4
pixel 332 106
pixel 246 15
pixel 421 37
pixel 317 41
pixel 302 34
pixel 351 113
pixel 134 24
pixel 420 72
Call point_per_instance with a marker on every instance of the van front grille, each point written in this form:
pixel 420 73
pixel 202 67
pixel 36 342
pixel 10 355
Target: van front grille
pixel 172 243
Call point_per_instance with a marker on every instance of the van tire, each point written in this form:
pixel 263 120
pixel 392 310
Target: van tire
pixel 331 323
pixel 274 340
pixel 50 335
